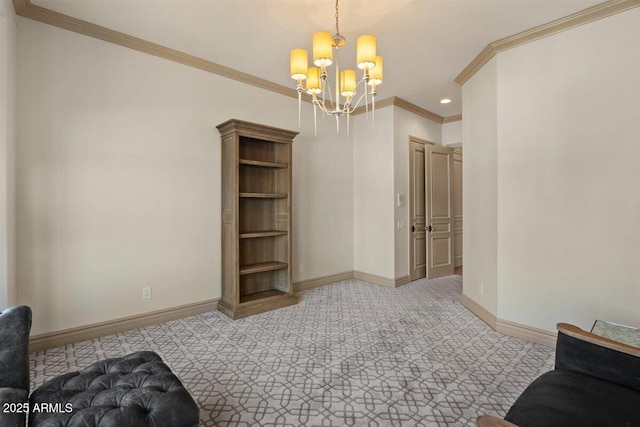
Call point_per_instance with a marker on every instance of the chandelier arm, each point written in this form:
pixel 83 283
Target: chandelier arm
pixel 330 96
pixel 373 110
pixel 364 84
pixel 299 108
pixel 354 106
pixel 366 102
pixel 315 118
pixel 348 127
pixel 322 106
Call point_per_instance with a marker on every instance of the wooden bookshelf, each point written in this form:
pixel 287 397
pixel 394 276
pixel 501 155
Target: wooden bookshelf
pixel 256 218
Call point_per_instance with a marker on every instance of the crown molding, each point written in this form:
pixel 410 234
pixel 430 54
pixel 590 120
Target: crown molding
pixel 451 119
pixel 406 105
pixel 413 108
pixel 26 9
pixel 380 104
pixel 19 6
pixel 577 19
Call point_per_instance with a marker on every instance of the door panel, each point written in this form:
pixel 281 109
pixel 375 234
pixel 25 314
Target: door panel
pixel 417 214
pixel 440 247
pixel 438 186
pixel 420 247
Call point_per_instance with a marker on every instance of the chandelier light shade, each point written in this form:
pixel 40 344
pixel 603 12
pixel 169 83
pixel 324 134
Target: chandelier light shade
pixel 366 52
pixel 299 60
pixel 313 81
pixel 346 81
pixel 322 49
pixel 375 75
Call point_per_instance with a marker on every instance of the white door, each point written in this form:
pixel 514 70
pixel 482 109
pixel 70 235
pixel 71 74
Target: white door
pixel 439 212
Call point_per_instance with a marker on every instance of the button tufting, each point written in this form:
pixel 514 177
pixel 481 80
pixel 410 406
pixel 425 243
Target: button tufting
pixel 125 394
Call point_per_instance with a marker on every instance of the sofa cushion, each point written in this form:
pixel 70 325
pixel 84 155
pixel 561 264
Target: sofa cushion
pixel 136 390
pixel 566 398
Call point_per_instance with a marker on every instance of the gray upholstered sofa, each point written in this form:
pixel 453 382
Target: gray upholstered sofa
pixel 596 382
pixel 15 324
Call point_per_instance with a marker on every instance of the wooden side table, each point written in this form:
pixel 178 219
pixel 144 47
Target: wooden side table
pixel 614 331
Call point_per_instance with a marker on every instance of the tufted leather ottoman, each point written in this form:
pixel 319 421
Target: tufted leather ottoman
pixel 136 390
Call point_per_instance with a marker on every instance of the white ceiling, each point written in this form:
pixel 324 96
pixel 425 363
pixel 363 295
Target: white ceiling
pixel 425 43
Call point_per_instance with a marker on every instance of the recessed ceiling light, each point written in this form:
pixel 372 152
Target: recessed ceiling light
pixel 445 101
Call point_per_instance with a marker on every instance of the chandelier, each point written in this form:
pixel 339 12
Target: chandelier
pixel 346 84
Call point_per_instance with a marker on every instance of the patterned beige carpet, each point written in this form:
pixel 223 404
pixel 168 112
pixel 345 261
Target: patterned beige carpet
pixel 349 354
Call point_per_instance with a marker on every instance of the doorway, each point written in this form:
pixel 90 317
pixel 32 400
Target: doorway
pixel 431 210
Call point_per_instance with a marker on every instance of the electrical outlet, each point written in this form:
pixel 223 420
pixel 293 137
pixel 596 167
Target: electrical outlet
pixel 481 290
pixel 146 292
pixel 400 224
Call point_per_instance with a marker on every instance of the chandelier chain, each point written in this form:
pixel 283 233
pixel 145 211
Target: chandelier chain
pixel 337 15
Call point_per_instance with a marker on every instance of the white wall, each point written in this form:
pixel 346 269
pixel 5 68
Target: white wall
pixel 407 124
pixel 479 187
pixel 568 195
pixel 322 195
pixel 8 137
pixel 452 134
pixel 373 171
pixel 551 157
pixel 119 179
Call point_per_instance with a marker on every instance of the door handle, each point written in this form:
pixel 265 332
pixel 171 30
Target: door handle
pixel 413 228
pixel 429 228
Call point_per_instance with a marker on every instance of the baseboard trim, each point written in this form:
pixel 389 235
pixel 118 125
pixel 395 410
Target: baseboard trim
pixel 529 333
pixel 400 281
pixel 376 280
pixel 506 327
pixel 482 313
pixel 316 282
pixel 110 327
